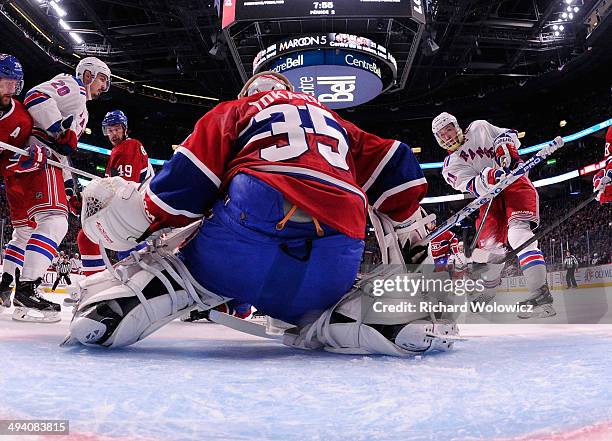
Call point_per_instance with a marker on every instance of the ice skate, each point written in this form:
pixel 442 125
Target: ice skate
pixel 5 290
pixel 541 304
pixel 30 306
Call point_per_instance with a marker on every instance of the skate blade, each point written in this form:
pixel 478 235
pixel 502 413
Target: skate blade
pixel 544 311
pixel 21 314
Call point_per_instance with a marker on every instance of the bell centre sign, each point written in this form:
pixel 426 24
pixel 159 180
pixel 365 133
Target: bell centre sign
pixel 341 70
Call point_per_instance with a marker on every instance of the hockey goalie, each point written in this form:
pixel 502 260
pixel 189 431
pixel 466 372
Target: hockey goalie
pixel 278 186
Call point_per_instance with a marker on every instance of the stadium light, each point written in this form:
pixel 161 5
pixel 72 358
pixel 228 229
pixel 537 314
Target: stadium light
pixel 571 16
pixel 576 9
pixel 569 2
pixel 562 123
pixel 58 9
pixel 76 37
pixel 561 27
pixel 64 25
pixel 557 33
pixel 555 27
pixel 564 15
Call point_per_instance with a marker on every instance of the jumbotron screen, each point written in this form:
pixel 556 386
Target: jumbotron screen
pixel 276 9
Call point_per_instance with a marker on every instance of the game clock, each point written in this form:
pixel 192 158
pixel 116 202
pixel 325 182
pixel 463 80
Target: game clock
pixel 236 10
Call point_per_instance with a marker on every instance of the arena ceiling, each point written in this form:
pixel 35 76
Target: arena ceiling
pixel 469 48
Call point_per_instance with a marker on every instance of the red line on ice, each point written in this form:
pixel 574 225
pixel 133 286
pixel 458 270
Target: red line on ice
pixel 596 432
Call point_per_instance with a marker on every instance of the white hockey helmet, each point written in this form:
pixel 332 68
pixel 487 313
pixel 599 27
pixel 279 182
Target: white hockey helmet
pixel 267 80
pixel 441 121
pixel 95 66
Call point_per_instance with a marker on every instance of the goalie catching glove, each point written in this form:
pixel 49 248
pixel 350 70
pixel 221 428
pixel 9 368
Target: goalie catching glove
pixel 113 214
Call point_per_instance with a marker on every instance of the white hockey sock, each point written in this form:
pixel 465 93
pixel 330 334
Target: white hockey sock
pixel 531 259
pixel 42 245
pixel 15 250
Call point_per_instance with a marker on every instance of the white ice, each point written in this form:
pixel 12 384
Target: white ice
pixel 205 382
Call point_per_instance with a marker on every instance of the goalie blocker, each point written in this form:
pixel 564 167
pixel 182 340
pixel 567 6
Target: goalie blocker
pixel 154 286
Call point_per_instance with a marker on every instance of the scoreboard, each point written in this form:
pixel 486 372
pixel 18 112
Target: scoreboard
pixel 236 10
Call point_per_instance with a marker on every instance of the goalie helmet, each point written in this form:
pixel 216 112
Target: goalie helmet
pixel 439 123
pixel 10 68
pixel 95 66
pixel 264 81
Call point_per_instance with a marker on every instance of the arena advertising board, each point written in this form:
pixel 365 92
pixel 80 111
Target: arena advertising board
pixel 341 70
pixel 323 41
pixel 337 78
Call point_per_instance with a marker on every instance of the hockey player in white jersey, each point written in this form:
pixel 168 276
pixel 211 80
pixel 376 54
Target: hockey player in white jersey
pixel 478 159
pixel 59 112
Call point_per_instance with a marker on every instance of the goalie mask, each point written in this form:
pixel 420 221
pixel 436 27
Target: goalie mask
pixel 447 131
pixel 264 81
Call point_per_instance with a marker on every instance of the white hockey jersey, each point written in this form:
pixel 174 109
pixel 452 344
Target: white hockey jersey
pixel 53 101
pixel 462 167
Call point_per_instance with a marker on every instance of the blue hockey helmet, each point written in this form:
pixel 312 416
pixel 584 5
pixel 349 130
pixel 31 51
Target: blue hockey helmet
pixel 10 68
pixel 113 118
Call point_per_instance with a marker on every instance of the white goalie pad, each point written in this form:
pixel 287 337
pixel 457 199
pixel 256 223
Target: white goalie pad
pixel 140 295
pixel 113 213
pixel 358 331
pixel 392 236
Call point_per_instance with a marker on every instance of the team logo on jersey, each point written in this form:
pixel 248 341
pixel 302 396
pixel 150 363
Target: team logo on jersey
pixel 38 195
pixel 468 154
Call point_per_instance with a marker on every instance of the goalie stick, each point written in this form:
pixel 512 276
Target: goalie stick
pixel 508 180
pixel 70 168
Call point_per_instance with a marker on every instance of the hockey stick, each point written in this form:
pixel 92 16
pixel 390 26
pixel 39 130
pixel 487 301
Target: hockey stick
pixel 74 170
pixel 508 179
pixel 470 249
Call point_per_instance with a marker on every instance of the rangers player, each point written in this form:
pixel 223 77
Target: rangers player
pixel 478 160
pixel 59 111
pixel 15 129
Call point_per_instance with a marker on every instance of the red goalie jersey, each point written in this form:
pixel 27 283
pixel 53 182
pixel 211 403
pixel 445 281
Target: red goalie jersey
pixel 323 164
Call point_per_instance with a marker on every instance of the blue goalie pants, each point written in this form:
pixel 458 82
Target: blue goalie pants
pixel 292 274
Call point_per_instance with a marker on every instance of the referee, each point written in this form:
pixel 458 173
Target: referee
pixel 63 269
pixel 570 263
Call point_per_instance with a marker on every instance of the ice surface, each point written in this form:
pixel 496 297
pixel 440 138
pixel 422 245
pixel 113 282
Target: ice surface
pixel 205 382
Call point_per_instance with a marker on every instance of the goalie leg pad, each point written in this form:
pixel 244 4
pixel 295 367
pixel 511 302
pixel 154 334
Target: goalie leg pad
pixel 349 328
pixel 143 293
